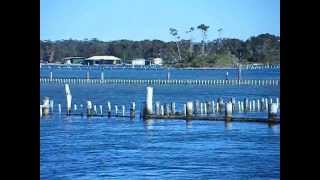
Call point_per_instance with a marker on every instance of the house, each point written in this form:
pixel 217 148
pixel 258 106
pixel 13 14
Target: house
pixel 102 60
pixel 157 61
pixel 73 60
pixel 140 62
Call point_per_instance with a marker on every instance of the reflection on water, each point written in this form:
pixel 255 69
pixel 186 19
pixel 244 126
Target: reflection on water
pixel 148 124
pixel 228 125
pixel 275 128
pixel 189 124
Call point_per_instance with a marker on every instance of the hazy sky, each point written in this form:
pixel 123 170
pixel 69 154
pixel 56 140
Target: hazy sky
pixel 151 19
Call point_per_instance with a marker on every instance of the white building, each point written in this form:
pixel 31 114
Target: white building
pixel 73 60
pixel 103 60
pixel 140 62
pixel 157 61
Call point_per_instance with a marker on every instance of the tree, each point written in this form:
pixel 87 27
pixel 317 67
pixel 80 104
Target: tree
pixel 191 45
pixel 174 33
pixel 264 48
pixel 203 28
pixel 219 40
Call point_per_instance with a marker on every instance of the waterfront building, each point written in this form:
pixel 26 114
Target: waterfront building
pixel 101 60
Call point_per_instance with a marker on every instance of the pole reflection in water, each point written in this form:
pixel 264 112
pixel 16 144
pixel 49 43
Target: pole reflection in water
pixel 188 124
pixel 228 125
pixel 275 128
pixel 148 124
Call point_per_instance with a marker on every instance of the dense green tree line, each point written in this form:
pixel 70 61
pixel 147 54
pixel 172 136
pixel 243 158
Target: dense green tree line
pixel 264 48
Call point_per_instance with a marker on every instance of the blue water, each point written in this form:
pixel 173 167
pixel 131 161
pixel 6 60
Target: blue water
pixel 161 73
pixel 120 148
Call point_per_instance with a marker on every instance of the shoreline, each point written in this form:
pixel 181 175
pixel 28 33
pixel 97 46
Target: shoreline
pixel 244 66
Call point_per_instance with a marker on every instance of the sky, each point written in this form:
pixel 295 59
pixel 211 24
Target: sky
pixel 109 20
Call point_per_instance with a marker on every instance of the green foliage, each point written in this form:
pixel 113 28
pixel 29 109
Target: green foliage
pixel 264 48
pixel 203 27
pixel 219 59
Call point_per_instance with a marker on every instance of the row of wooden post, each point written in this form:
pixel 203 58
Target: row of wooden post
pixel 210 107
pixel 256 82
pixel 262 66
pixel 189 109
pixel 91 110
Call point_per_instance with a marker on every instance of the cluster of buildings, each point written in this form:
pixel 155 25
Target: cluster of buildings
pixel 111 60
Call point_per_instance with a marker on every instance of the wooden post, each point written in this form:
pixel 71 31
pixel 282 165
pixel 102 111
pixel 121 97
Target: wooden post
pixel 123 110
pixel 89 108
pixel 262 104
pixel 75 107
pixel 40 111
pixel 272 113
pixel 102 75
pixel 109 108
pixel 157 108
pixel 228 111
pixel 133 110
pixel 95 109
pixel 81 109
pixel 266 104
pixel 51 106
pixel 254 104
pixel 201 109
pixel 116 109
pixel 68 97
pixel 101 112
pixel 197 107
pixel 242 107
pixel 51 76
pixel 161 110
pixel 258 105
pixel 189 110
pixel 173 108
pixel 233 101
pixel 205 108
pixel 88 75
pixel 45 106
pixel 59 108
pixel 213 107
pixel 209 107
pixel 185 110
pixel 246 104
pixel 239 106
pixel 149 98
pixel 166 109
pixel 221 104
pixel 217 107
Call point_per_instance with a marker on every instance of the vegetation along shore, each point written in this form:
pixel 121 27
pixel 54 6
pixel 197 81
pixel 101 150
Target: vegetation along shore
pixel 221 52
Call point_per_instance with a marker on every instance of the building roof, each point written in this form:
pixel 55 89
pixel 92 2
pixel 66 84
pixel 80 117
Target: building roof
pixel 97 58
pixel 138 59
pixel 66 58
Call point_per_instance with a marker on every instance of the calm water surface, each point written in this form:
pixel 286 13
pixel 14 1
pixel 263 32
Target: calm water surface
pixel 161 73
pixel 120 148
